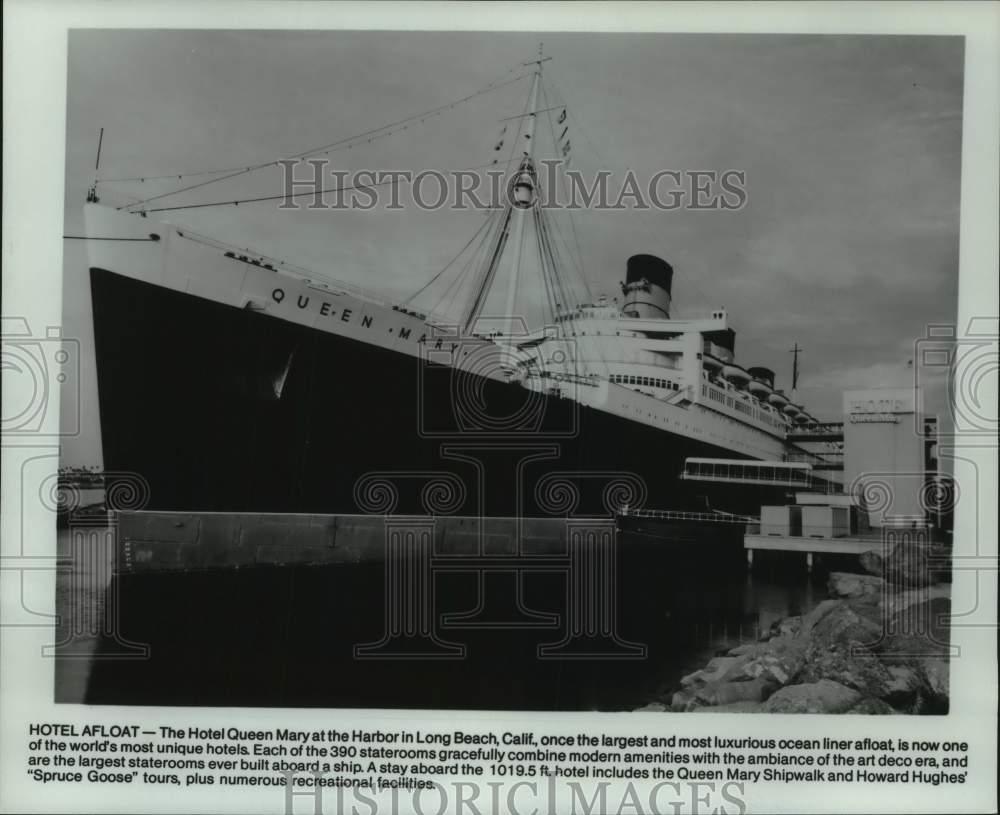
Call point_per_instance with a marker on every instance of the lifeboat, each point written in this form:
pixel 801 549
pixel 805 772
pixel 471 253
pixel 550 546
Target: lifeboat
pixel 735 374
pixel 803 418
pixel 791 410
pixel 759 388
pixel 711 362
pixel 763 374
pixel 778 399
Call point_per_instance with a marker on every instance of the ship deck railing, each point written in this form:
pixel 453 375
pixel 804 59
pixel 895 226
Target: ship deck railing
pixel 683 515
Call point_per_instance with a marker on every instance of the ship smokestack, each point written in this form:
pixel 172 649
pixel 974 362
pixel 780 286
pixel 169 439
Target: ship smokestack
pixel 647 287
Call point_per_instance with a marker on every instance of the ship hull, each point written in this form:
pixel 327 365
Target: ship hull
pixel 220 408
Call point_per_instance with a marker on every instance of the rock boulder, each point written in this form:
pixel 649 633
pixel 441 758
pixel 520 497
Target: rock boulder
pixel 842 649
pixel 846 584
pixel 822 696
pixel 724 693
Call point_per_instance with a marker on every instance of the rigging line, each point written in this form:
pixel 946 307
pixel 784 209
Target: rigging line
pixel 548 310
pixel 490 269
pixel 468 243
pixel 572 221
pixel 475 269
pixel 549 293
pixel 455 286
pixel 470 273
pixel 690 279
pixel 517 135
pixel 519 252
pixel 475 266
pixel 559 285
pixel 487 271
pixel 541 225
pixel 558 291
pixel 557 229
pixel 576 121
pixel 495 85
pixel 564 282
pixel 484 280
pixel 243 170
pixel 288 197
pixel 462 278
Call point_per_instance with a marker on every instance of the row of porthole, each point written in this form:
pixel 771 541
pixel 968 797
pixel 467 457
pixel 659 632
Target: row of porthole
pixel 687 427
pixel 647 381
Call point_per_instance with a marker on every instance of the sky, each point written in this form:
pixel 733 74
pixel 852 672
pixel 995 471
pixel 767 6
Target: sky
pixel 851 146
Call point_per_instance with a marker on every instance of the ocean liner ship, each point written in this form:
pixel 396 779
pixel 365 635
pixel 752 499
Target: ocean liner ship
pixel 234 381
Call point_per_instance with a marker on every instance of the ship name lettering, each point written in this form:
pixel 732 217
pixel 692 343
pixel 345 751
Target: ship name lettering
pixel 291 735
pixel 404 333
pixel 324 309
pixel 303 301
pixel 366 321
pixel 278 295
pixel 345 315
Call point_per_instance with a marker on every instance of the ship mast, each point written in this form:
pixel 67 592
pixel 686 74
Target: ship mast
pixel 520 199
pixel 524 186
pixel 795 351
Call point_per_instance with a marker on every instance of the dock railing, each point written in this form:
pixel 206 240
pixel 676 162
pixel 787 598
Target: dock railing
pixel 681 515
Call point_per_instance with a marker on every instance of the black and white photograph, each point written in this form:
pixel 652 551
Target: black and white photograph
pixel 526 372
pixel 586 364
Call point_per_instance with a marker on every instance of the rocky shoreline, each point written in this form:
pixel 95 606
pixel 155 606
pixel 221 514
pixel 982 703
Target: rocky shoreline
pixel 879 645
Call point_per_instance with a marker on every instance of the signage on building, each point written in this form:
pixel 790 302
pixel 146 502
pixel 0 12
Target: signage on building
pixel 879 405
pixel 873 418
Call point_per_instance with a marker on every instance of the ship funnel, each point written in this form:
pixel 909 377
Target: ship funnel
pixel 647 287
